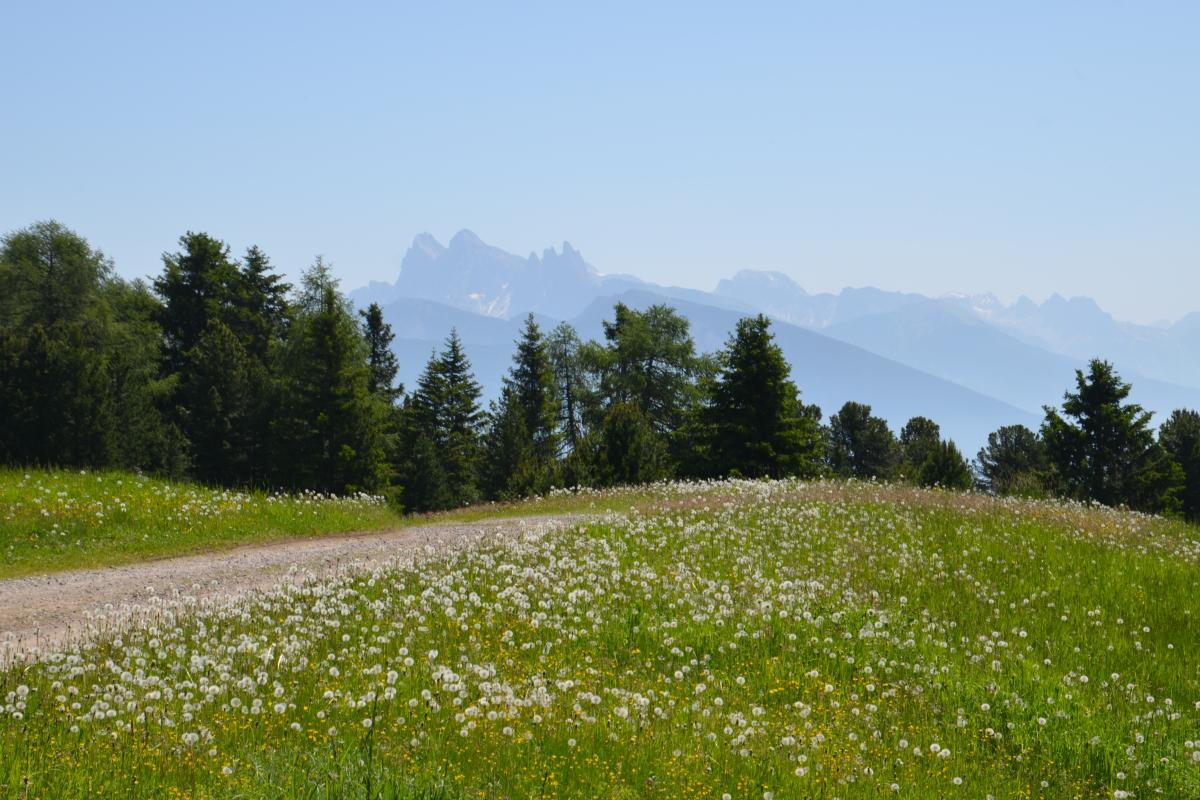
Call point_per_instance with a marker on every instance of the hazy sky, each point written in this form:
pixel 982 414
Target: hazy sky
pixel 936 147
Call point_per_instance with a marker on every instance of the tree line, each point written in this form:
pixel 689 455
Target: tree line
pixel 219 370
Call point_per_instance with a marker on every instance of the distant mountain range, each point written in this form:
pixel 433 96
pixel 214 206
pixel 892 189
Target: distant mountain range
pixel 971 363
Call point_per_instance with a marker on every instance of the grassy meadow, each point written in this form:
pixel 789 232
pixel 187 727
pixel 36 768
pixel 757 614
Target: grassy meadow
pixel 56 520
pixel 735 640
pixel 60 519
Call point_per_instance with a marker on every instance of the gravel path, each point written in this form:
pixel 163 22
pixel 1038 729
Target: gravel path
pixel 46 611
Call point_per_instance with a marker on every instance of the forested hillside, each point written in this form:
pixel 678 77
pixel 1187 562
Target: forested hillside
pixel 219 370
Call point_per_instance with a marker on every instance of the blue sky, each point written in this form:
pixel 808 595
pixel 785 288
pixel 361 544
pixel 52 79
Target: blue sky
pixel 936 147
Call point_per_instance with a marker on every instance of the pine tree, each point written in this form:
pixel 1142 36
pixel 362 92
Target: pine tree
pixel 755 421
pixel 945 466
pixel 1103 448
pixel 1014 462
pixel 861 445
pixel 920 438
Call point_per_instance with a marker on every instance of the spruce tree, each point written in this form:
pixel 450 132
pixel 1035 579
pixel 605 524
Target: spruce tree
pixel 423 479
pixel 1103 447
pixel 445 409
pixel 218 401
pixel 1180 437
pixel 147 439
pixel 331 428
pixel 382 361
pixel 626 449
pixel 510 468
pixel 202 287
pixel 755 421
pixel 198 283
pixel 531 382
pixel 261 309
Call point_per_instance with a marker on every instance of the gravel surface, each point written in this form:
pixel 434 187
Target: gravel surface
pixel 46 612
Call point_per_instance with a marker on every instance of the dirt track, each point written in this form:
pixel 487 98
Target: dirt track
pixel 43 612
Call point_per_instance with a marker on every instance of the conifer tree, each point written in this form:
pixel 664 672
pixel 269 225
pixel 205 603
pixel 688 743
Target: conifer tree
pixel 510 468
pixel 755 421
pixel 919 440
pixel 1014 462
pixel 218 400
pixel 945 466
pixel 1103 448
pixel 331 426
pixel 531 382
pixel 445 409
pixel 198 283
pixel 56 398
pixel 382 361
pixel 521 447
pixel 1180 437
pixel 146 438
pixel 649 359
pixel 626 449
pixel 861 445
pixel 260 305
pixel 570 386
pixel 423 479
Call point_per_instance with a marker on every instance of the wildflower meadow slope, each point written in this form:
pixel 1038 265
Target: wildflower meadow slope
pixel 734 640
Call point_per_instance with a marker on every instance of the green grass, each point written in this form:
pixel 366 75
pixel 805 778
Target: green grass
pixel 749 640
pixel 55 520
pixel 58 520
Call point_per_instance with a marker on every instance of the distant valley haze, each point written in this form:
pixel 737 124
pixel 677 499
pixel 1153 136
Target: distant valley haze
pixel 971 362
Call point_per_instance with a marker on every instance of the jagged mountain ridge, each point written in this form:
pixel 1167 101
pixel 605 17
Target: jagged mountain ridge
pixel 474 276
pixel 1019 356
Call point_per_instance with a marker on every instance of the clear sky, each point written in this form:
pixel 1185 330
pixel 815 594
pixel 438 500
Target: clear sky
pixel 935 147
